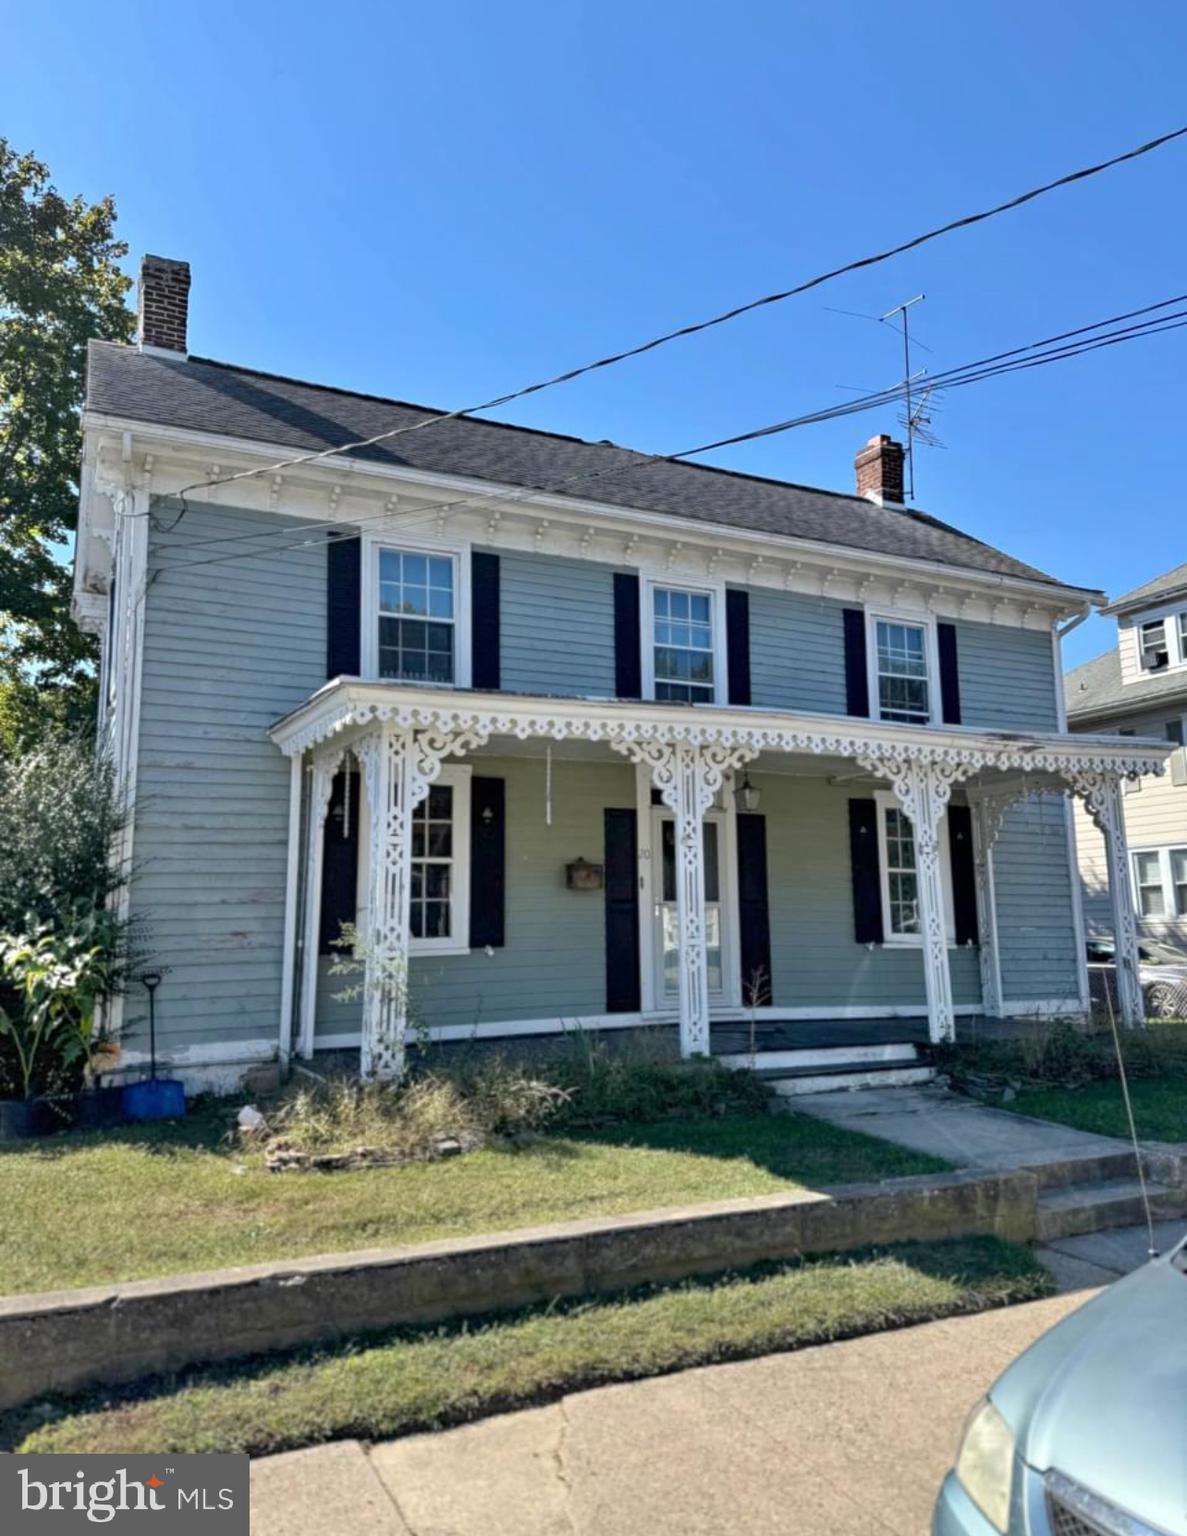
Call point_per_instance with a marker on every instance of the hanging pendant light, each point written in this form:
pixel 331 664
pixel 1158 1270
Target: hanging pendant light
pixel 746 795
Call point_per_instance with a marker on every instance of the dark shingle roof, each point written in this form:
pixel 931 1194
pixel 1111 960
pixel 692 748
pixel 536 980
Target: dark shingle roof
pixel 1160 586
pixel 1095 688
pixel 206 396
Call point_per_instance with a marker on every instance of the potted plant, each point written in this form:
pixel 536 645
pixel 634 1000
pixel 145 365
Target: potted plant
pixel 57 979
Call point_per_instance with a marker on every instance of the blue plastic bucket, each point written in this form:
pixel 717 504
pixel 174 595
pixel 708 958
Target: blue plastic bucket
pixel 160 1098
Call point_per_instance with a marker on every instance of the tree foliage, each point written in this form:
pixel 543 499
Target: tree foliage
pixel 60 285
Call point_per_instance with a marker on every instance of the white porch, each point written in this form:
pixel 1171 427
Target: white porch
pixel 403 737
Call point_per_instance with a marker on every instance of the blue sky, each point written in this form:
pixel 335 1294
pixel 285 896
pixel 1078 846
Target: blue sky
pixel 443 202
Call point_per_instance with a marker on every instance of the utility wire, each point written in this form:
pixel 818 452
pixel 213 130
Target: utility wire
pixel 864 402
pixel 701 325
pixel 999 364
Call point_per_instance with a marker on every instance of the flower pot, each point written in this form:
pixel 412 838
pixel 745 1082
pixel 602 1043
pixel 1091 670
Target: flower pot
pixel 20 1118
pixel 160 1098
pixel 99 1107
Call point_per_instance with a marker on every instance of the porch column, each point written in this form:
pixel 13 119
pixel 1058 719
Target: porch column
pixel 321 773
pixel 386 758
pixel 688 777
pixel 399 764
pixel 1101 794
pixel 923 789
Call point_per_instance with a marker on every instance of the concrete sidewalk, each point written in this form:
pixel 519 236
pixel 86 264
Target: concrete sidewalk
pixel 850 1439
pixel 960 1130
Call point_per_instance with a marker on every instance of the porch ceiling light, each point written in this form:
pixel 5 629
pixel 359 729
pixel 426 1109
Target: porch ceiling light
pixel 746 795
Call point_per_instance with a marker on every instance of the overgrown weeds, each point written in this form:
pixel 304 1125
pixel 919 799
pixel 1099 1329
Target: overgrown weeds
pixel 1063 1053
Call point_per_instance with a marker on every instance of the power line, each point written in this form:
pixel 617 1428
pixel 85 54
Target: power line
pixel 1011 361
pixel 701 325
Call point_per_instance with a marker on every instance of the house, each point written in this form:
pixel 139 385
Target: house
pixel 577 736
pixel 1138 688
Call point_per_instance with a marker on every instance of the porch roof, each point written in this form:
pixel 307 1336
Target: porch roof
pixel 346 705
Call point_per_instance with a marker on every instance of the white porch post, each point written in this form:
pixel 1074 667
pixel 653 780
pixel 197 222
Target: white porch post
pixel 399 764
pixel 923 789
pixel 1101 794
pixel 291 882
pixel 688 776
pixel 322 772
pixel 386 757
pixel 690 801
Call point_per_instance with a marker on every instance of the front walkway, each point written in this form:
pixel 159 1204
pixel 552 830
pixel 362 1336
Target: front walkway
pixel 963 1132
pixel 848 1438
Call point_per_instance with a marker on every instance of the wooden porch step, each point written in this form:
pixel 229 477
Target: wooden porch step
pixel 794 1082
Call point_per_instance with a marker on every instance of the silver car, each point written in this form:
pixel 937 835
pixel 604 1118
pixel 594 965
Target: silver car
pixel 1162 972
pixel 1086 1433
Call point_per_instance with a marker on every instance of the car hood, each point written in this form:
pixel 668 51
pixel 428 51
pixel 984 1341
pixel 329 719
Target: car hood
pixel 1100 1397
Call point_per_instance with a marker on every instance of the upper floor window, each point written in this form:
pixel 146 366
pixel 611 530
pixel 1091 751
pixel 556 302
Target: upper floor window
pixel 1152 645
pixel 902 671
pixel 1182 627
pixel 417 616
pixel 682 651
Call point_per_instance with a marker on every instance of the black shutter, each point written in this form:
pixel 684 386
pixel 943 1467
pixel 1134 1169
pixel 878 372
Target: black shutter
pixel 754 916
pixel 949 673
pixel 867 883
pixel 488 863
pixel 857 686
pixel 344 590
pixel 628 661
pixel 737 644
pixel 484 620
pixel 340 865
pixel 622 913
pixel 964 877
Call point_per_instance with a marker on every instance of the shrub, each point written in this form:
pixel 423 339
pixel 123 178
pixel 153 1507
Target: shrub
pixel 607 1087
pixel 1067 1054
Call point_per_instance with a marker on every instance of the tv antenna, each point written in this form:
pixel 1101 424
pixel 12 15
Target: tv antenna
pixel 912 423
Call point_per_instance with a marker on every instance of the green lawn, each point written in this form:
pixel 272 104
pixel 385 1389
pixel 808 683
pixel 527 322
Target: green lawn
pixel 422 1380
pixel 1159 1107
pixel 142 1201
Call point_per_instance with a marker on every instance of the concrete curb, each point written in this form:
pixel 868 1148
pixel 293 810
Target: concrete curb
pixel 60 1341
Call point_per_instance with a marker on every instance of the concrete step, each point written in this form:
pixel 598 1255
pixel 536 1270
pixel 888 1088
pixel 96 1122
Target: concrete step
pixel 1097 1168
pixel 830 1057
pixel 1072 1209
pixel 794 1084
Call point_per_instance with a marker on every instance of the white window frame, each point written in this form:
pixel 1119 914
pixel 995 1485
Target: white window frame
pixel 715 591
pixel 457 776
pixel 1171 908
pixel 1165 646
pixel 931 650
pixel 888 801
pixel 369 606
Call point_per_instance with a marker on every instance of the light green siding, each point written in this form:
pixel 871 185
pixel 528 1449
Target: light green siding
pixel 557 626
pixel 228 649
pixel 554 962
pixel 815 960
pixel 1007 677
pixel 1032 878
pixel 797 652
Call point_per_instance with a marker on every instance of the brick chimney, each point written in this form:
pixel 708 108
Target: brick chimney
pixel 879 468
pixel 164 304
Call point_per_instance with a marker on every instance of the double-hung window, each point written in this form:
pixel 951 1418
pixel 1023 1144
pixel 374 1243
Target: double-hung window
pixel 1160 882
pixel 902 671
pixel 1147 869
pixel 1152 645
pixel 681 649
pixel 1182 629
pixel 898 863
pixel 439 866
pixel 417 616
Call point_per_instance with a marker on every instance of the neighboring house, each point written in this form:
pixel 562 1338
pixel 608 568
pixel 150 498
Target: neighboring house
pixel 576 736
pixel 1138 688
